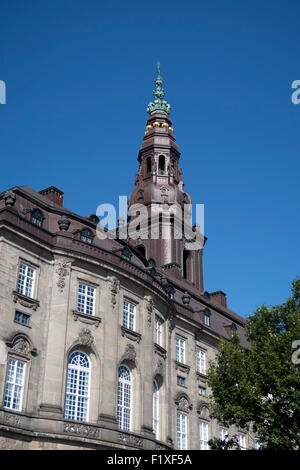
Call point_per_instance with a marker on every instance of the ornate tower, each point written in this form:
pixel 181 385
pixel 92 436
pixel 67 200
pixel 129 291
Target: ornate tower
pixel 159 187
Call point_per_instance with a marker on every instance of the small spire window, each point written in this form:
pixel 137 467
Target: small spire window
pixel 161 165
pixel 149 165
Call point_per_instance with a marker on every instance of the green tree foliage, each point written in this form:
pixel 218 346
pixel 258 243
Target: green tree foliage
pixel 261 384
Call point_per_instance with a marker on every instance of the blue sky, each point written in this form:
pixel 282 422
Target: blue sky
pixel 79 76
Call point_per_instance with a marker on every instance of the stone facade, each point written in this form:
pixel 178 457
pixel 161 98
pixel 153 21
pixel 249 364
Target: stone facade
pixel 61 260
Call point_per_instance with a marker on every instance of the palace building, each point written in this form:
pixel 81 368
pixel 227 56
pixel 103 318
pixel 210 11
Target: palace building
pixel 105 341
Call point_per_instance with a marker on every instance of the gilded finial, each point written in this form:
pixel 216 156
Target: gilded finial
pixel 159 104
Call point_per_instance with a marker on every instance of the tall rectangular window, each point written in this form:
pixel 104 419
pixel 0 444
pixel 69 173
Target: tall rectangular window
pixel 223 433
pixel 86 299
pixel 26 279
pixel 14 385
pixel 201 361
pixel 181 431
pixel 158 332
pixel 242 441
pixel 129 315
pixel 180 350
pixel 203 433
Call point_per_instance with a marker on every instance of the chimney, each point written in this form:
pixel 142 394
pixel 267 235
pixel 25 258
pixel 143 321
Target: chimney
pixel 219 298
pixel 53 194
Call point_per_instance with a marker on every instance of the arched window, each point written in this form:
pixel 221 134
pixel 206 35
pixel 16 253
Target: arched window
pixel 14 385
pixel 155 409
pixel 161 165
pixel 124 398
pixel 86 235
pixel 77 387
pixel 37 217
pixel 149 165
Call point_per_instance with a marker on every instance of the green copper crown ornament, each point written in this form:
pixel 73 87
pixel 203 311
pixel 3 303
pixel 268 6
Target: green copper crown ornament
pixel 159 105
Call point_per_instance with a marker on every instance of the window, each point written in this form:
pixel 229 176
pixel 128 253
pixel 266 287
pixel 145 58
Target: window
pixel 180 381
pixel 233 329
pixel 124 398
pixel 223 433
pixel 14 385
pixel 201 361
pixel 26 279
pixel 129 315
pixel 181 431
pixel 86 235
pixel 203 433
pixel 202 391
pixel 149 165
pixel 242 441
pixel 22 318
pixel 158 332
pixel 206 316
pixel 37 217
pixel 77 387
pixel 257 445
pixel 155 409
pixel 180 350
pixel 161 165
pixel 126 254
pixel 86 299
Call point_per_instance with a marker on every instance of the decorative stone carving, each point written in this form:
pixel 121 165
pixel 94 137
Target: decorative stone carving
pixel 62 269
pixel 131 440
pixel 130 334
pixel 186 298
pixel 203 410
pixel 86 318
pixel 21 345
pixel 160 368
pixel 129 354
pixel 172 325
pixel 85 337
pixel 82 430
pixel 183 404
pixel 149 307
pixel 114 286
pixel 64 223
pixel 25 301
pixel 9 198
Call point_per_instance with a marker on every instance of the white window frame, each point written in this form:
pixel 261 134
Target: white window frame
pixel 26 283
pixel 124 409
pixel 129 315
pixel 242 441
pixel 88 298
pixel 206 319
pixel 203 435
pixel 180 350
pixel 77 396
pixel 223 434
pixel 201 361
pixel 158 331
pixel 156 409
pixel 182 434
pixel 15 385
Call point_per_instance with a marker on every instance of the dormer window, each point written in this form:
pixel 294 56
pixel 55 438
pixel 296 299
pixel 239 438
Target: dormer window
pixel 206 317
pixel 126 254
pixel 37 217
pixel 161 165
pixel 233 329
pixel 86 235
pixel 93 218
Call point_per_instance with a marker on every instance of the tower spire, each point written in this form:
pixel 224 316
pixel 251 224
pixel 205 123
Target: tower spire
pixel 159 104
